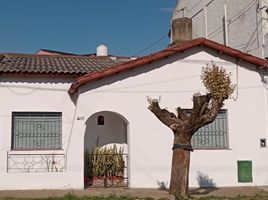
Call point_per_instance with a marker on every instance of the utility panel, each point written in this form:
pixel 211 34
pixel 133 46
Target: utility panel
pixel 244 171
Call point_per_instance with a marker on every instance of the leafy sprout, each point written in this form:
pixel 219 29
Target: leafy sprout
pixel 217 81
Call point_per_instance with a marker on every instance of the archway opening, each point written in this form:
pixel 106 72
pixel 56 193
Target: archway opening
pixel 106 150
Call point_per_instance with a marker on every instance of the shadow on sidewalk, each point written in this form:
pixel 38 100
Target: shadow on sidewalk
pixel 202 191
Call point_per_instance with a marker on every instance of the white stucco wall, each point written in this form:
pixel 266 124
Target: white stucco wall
pixel 39 94
pixel 150 142
pixel 247 22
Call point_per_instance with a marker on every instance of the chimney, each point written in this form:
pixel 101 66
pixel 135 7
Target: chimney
pixel 102 50
pixel 181 30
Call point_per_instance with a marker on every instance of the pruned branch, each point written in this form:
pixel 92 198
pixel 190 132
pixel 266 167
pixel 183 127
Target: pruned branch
pixel 181 114
pixel 166 117
pixel 211 113
pixel 200 103
pixel 204 108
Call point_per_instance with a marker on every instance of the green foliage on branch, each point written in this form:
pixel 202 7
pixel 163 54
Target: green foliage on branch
pixel 217 81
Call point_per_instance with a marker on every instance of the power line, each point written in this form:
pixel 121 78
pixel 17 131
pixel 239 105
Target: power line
pixel 241 46
pixel 236 16
pixel 212 34
pixel 245 10
pixel 201 9
pixel 251 43
pixel 245 48
pixel 195 5
pixel 152 44
pixel 249 4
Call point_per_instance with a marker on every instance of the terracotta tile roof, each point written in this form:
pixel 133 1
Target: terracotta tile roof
pixel 56 64
pixel 221 49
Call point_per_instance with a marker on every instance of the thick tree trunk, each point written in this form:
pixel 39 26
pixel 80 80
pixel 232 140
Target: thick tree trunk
pixel 183 126
pixel 180 173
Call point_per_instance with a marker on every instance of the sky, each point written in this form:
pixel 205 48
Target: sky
pixel 78 26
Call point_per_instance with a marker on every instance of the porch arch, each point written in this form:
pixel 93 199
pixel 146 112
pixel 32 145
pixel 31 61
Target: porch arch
pixel 112 130
pixel 106 129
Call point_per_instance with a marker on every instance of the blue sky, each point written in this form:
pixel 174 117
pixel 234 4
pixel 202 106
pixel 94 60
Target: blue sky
pixel 79 26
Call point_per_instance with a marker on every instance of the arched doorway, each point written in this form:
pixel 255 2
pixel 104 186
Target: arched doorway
pixel 106 150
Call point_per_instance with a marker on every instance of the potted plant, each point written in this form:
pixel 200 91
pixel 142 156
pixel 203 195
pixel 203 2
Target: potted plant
pixel 104 166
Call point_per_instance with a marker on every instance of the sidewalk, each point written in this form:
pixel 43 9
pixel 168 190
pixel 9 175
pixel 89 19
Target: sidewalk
pixel 137 192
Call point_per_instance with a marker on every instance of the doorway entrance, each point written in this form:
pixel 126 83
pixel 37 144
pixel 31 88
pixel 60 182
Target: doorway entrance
pixel 106 150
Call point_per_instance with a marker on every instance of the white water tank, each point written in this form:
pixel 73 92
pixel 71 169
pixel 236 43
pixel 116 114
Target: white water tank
pixel 102 50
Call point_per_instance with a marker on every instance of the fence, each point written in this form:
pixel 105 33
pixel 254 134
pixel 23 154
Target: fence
pixel 34 163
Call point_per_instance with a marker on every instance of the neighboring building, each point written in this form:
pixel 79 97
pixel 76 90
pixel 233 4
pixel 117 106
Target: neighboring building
pixel 245 27
pixel 49 116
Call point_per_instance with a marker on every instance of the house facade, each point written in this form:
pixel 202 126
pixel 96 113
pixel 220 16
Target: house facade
pixel 56 107
pixel 240 24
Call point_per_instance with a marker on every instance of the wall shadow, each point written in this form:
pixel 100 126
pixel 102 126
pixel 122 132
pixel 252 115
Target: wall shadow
pixel 162 185
pixel 204 180
pixel 206 184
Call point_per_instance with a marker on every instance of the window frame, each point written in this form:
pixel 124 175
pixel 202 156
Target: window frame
pixel 38 114
pixel 226 137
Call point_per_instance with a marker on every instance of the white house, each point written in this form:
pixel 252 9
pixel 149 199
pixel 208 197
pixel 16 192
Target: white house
pixel 240 24
pixel 51 106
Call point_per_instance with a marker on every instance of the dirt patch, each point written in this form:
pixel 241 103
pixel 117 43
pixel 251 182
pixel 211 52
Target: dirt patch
pixel 137 192
pixel 228 191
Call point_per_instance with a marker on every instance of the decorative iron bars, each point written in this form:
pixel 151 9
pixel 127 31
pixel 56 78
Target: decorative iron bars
pixel 213 135
pixel 36 130
pixel 33 163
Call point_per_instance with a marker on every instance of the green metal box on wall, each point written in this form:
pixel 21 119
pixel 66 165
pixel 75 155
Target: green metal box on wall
pixel 244 171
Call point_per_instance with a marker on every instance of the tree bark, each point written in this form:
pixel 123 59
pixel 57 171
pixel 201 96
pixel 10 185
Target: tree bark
pixel 180 164
pixel 180 173
pixel 205 110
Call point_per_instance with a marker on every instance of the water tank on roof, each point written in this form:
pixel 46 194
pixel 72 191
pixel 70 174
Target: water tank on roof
pixel 102 50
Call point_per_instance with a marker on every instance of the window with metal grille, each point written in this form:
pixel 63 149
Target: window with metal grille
pixel 36 130
pixel 213 135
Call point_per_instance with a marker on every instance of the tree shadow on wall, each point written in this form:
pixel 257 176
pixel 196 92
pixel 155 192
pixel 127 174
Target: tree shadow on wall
pixel 162 185
pixel 206 184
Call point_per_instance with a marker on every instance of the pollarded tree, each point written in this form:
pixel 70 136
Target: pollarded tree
pixel 205 109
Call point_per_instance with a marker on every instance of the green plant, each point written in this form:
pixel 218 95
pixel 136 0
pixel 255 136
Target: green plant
pixel 107 161
pixel 96 161
pixel 87 163
pixel 70 196
pixel 217 81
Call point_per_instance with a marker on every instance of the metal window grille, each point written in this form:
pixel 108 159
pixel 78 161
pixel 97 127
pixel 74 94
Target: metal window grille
pixel 213 135
pixel 36 163
pixel 36 130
